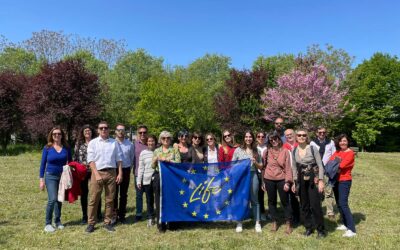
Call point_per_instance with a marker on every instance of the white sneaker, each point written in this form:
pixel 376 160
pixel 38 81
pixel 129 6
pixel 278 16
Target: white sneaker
pixel 263 217
pixel 149 222
pixel 60 226
pixel 258 228
pixel 49 229
pixel 342 228
pixel 349 233
pixel 239 228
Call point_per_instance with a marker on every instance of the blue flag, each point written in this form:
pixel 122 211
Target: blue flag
pixel 205 192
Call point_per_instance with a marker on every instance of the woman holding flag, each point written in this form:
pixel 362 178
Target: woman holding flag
pixel 248 150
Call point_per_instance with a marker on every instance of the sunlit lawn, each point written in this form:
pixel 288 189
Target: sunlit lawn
pixel 374 200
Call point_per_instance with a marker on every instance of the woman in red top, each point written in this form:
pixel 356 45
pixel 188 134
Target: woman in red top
pixel 343 184
pixel 227 149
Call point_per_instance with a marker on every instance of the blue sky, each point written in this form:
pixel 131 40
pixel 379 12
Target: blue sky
pixel 182 30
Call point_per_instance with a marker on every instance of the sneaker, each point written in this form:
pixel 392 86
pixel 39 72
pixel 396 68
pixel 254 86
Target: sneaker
pixel 109 228
pixel 349 233
pixel 84 221
pixel 149 223
pixel 49 229
pixel 342 228
pixel 89 229
pixel 60 226
pixel 239 228
pixel 263 217
pixel 258 228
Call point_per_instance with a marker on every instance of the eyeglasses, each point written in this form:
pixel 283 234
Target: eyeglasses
pixel 142 132
pixel 322 133
pixel 210 139
pixel 196 137
pixel 228 135
pixel 103 128
pixel 260 136
pixel 120 130
pixel 165 138
pixel 273 139
pixel 302 135
pixel 56 134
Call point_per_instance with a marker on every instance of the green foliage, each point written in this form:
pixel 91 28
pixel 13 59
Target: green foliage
pixel 276 66
pixel 166 103
pixel 364 135
pixel 211 69
pixel 19 60
pixel 374 95
pixel 92 64
pixel 124 81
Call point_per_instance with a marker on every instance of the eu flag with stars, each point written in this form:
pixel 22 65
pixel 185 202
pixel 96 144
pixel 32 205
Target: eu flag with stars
pixel 205 192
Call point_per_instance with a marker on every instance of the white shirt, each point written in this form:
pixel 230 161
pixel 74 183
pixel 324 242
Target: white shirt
pixel 329 150
pixel 212 155
pixel 145 170
pixel 104 153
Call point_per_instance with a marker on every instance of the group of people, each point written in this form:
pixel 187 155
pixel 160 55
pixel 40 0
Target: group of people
pixel 283 162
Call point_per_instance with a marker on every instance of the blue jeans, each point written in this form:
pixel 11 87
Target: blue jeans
pixel 255 205
pixel 139 199
pixel 342 192
pixel 53 205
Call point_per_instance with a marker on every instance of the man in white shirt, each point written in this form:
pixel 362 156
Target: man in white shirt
pixel 326 148
pixel 128 153
pixel 104 155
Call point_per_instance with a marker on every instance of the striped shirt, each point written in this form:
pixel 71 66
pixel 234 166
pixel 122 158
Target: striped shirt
pixel 145 170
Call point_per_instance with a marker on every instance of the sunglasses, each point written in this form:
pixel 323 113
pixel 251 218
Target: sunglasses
pixel 302 135
pixel 142 132
pixel 228 135
pixel 273 139
pixel 196 138
pixel 260 136
pixel 56 133
pixel 278 123
pixel 103 128
pixel 120 130
pixel 183 136
pixel 165 138
pixel 210 139
pixel 321 133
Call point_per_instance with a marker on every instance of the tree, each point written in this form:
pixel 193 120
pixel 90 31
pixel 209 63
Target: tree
pixel 53 46
pixel 238 105
pixel 124 82
pixel 166 103
pixel 364 135
pixel 306 99
pixel 19 60
pixel 63 93
pixel 374 98
pixel 276 66
pixel 211 69
pixel 11 85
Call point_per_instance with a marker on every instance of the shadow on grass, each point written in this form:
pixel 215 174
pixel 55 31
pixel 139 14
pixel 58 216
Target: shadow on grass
pixel 358 217
pixel 4 222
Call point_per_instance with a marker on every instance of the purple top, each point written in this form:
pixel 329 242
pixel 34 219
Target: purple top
pixel 53 162
pixel 139 147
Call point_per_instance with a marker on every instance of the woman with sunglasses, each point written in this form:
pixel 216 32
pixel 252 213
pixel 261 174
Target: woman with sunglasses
pixel 211 149
pixel 227 148
pixel 165 153
pixel 55 155
pixel 248 150
pixel 278 177
pixel 342 187
pixel 80 155
pixel 183 146
pixel 308 172
pixel 196 152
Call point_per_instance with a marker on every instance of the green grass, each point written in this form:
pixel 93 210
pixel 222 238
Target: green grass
pixel 374 200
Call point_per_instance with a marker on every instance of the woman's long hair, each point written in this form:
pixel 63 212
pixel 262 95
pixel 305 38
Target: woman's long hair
pixel 253 144
pixel 81 135
pixel 50 140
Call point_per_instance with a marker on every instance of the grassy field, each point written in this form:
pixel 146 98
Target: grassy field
pixel 374 200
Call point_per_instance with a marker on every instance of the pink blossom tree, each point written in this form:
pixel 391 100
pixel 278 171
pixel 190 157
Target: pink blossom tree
pixel 305 99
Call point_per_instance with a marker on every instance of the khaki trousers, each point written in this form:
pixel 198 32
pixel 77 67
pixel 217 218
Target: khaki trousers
pixel 96 187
